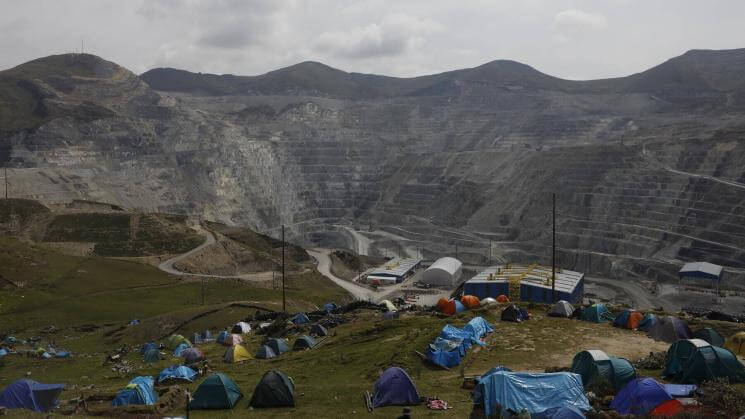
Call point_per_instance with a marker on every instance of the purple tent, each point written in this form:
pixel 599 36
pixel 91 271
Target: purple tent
pixel 639 397
pixel 395 388
pixel 28 394
pixel 669 329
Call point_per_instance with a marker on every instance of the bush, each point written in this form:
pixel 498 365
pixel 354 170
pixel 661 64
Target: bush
pixel 724 398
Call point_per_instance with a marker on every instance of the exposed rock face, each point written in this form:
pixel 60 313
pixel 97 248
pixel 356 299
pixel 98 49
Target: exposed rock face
pixel 648 169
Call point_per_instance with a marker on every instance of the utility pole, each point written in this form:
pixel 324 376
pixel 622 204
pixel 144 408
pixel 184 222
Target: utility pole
pixel 489 252
pixel 284 308
pixel 553 248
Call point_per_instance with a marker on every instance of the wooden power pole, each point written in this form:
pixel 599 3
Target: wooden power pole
pixel 553 248
pixel 284 307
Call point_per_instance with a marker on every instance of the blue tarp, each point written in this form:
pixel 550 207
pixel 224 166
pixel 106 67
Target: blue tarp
pixel 566 412
pixel 180 348
pixel 478 398
pixel 450 332
pixel 535 393
pixel 138 391
pixel 444 357
pixel 329 307
pixel 62 354
pixel 639 397
pixel 28 394
pixel 478 328
pixel 177 372
pixel 680 390
pixel 300 318
pixel 3 352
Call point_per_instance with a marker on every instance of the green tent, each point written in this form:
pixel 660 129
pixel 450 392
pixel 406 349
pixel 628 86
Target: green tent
pixel 691 361
pixel 595 364
pixel 274 390
pixel 174 341
pixel 217 391
pixel 597 313
pixel 710 335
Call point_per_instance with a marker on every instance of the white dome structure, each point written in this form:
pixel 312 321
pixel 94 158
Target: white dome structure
pixel 444 272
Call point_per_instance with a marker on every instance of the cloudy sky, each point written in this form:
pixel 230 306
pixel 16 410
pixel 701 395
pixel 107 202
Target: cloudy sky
pixel 577 39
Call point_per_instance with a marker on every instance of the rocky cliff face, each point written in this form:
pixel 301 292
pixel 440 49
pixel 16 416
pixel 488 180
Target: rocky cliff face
pixel 648 169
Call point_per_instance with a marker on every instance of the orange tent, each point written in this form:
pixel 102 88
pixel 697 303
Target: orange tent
pixel 669 409
pixel 503 299
pixel 634 319
pixel 449 307
pixel 441 303
pixel 470 301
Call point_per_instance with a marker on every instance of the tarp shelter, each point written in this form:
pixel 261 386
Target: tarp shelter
pixel 513 313
pixel 535 393
pixel 265 352
pixel 692 361
pixel 647 322
pixel 300 318
pixel 710 335
pixel 478 397
pixel 628 319
pixel 388 305
pixel 152 355
pixel 561 309
pixel 148 346
pixel 736 343
pixel 222 336
pixel 444 353
pixel 217 391
pixel 275 389
pixel 192 355
pixel 597 313
pixel 470 301
pixel 318 330
pixel 503 298
pixel 236 353
pixel 177 373
pixel 175 340
pixel 669 329
pixel 279 346
pixel 28 394
pixel 232 339
pixel 566 412
pixel 453 333
pixel 477 327
pixel 241 328
pixel 303 342
pixel 180 349
pixel 329 307
pixel 139 391
pixel 594 365
pixel 639 397
pixel 395 388
pixel 488 301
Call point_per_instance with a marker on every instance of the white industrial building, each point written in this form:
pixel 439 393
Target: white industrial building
pixel 393 271
pixel 445 272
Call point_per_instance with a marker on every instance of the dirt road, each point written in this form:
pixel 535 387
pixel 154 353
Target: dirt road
pixel 324 267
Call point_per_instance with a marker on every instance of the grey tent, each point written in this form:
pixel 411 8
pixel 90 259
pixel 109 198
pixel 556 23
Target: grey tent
pixel 265 352
pixel 318 330
pixel 561 309
pixel 303 342
pixel 274 390
pixel 669 329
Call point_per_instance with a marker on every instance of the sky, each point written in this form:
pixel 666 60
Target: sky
pixel 573 39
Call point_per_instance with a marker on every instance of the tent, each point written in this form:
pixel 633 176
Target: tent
pixel 192 355
pixel 535 393
pixel 628 319
pixel 561 309
pixel 597 313
pixel 478 397
pixel 265 352
pixel 279 346
pixel 691 361
pixel 478 328
pixel 139 391
pixel 236 353
pixel 232 339
pixel 390 315
pixel 736 343
pixel 180 349
pixel 668 409
pixel 3 352
pixel 488 301
pixel 222 336
pixel 241 328
pixel 452 307
pixel 28 394
pixel 300 318
pixel 503 298
pixel 177 373
pixel 595 364
pixel 709 335
pixel 513 313
pixel 470 301
pixel 441 303
pixel 196 338
pixel 318 330
pixel 578 313
pixel 669 329
pixel 388 305
pixel 464 338
pixel 647 322
pixel 329 307
pixel 175 340
pixel 275 389
pixel 146 347
pixel 217 391
pixel 152 355
pixel 639 397
pixel 566 412
pixel 303 342
pixel 395 388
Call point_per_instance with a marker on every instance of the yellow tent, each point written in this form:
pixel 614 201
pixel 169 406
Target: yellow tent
pixel 736 343
pixel 236 353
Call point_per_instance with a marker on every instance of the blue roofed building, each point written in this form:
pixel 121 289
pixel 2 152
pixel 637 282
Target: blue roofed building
pixel 531 282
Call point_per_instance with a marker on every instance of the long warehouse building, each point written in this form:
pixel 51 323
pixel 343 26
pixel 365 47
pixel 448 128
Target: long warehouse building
pixel 534 283
pixel 393 271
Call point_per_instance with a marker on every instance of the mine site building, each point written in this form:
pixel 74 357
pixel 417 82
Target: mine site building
pixel 702 272
pixel 526 283
pixel 394 271
pixel 445 272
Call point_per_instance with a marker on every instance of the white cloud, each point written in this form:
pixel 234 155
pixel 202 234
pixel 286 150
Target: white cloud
pixel 574 18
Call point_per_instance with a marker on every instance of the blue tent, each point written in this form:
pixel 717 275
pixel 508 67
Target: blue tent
pixel 622 318
pixel 28 394
pixel 395 388
pixel 152 355
pixel 535 393
pixel 647 322
pixel 279 346
pixel 566 412
pixel 597 313
pixel 3 352
pixel 478 398
pixel 639 397
pixel 139 391
pixel 177 373
pixel 329 307
pixel 180 348
pixel 222 336
pixel 478 328
pixel 148 346
pixel 300 318
pixel 459 307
